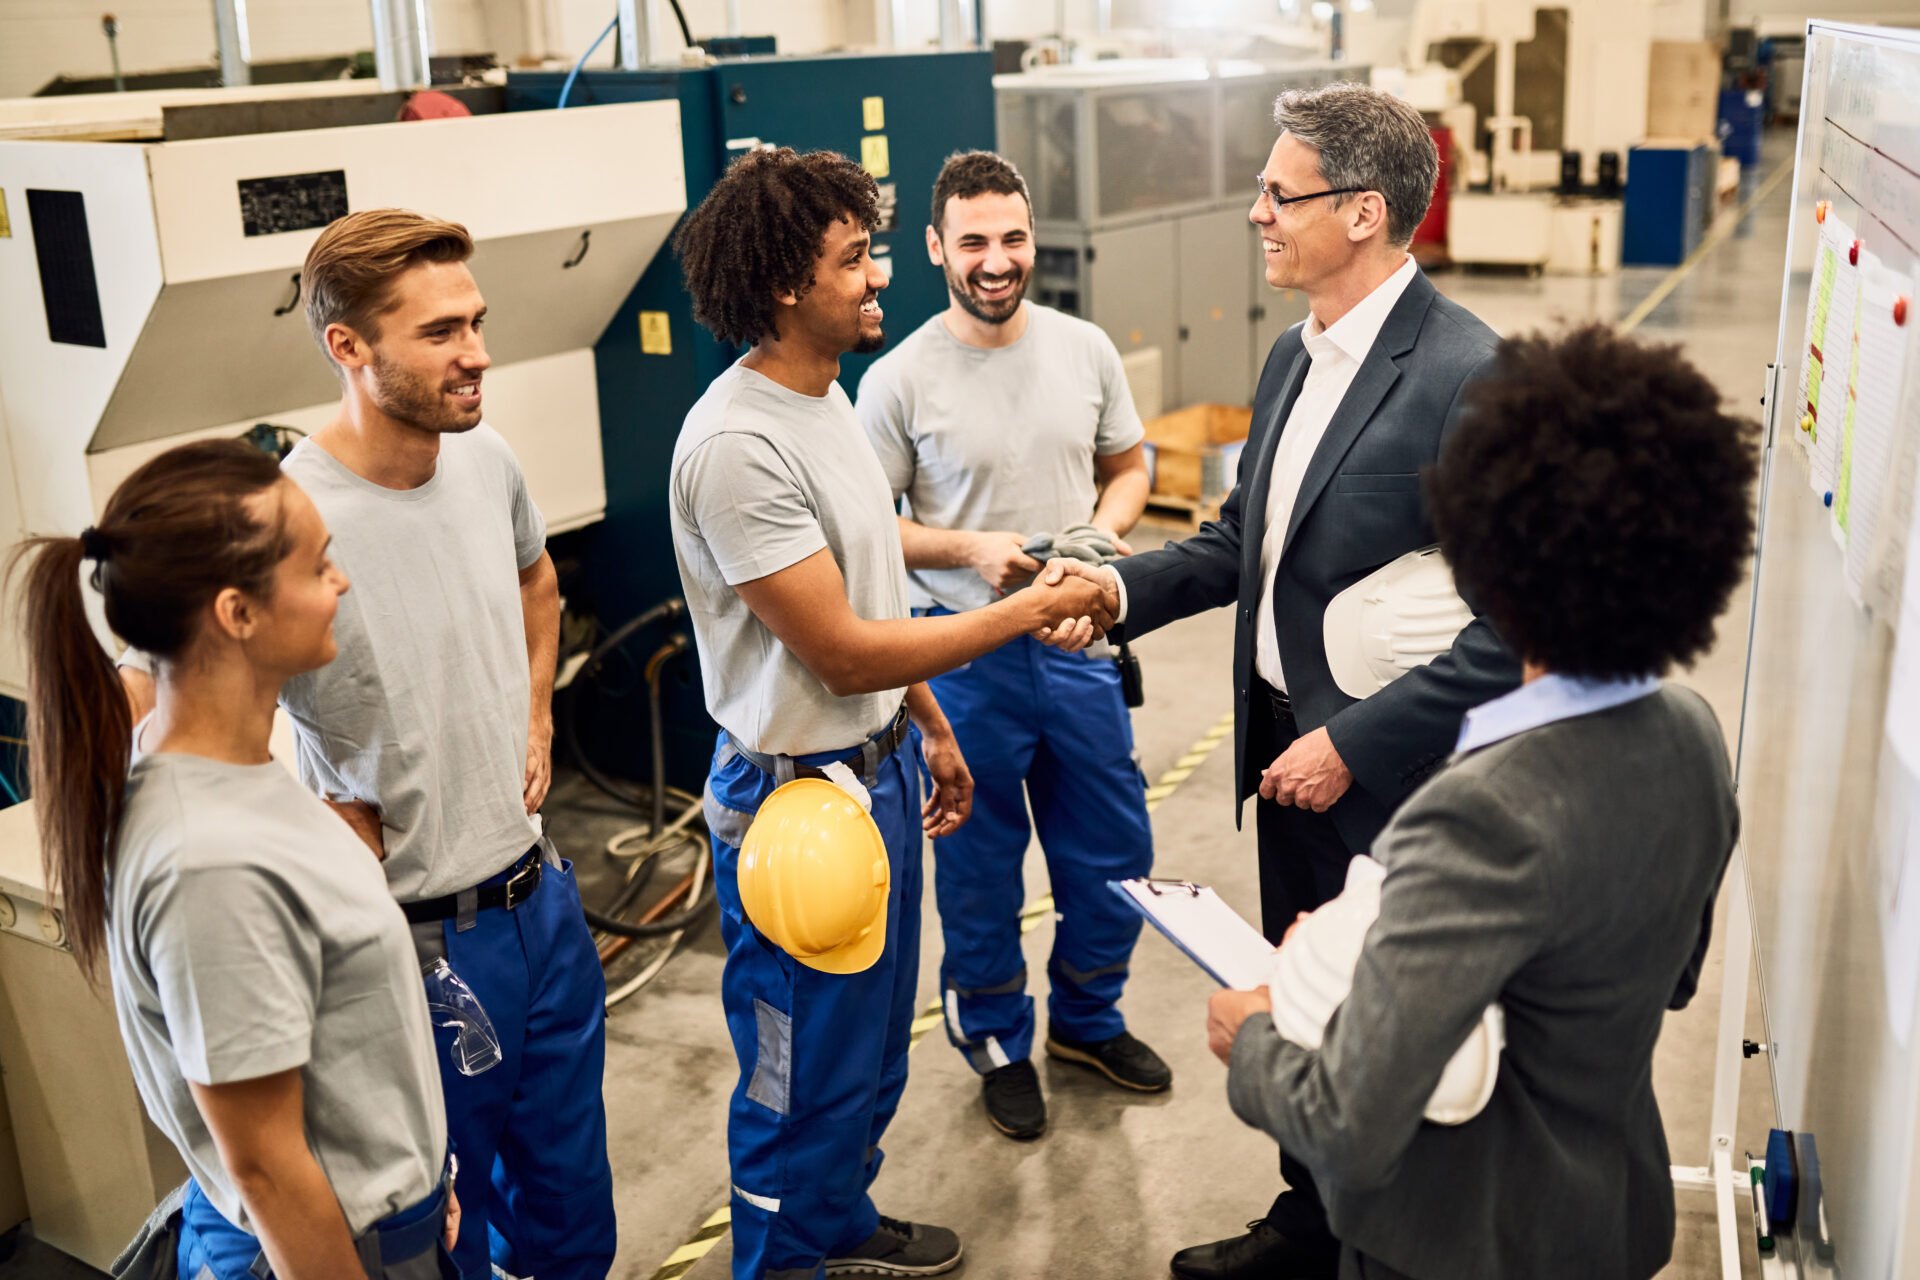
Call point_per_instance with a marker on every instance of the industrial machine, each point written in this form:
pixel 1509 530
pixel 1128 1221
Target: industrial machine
pixel 1524 86
pixel 151 290
pixel 901 115
pixel 1142 173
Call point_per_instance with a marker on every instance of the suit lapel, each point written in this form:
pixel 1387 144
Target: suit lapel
pixel 1253 516
pixel 1378 373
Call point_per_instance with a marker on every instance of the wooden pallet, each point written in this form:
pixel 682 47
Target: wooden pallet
pixel 1182 513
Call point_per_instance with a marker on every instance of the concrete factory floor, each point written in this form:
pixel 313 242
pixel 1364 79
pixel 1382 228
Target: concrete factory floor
pixel 1120 1182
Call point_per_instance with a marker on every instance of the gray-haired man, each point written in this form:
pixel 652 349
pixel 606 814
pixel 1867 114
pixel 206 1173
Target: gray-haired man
pixel 1351 406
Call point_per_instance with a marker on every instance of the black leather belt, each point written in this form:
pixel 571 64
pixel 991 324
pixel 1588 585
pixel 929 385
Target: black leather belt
pixel 1280 703
pixel 509 893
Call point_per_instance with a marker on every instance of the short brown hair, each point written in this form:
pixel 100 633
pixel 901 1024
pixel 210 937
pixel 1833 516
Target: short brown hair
pixel 759 231
pixel 967 174
pixel 349 273
pixel 1368 140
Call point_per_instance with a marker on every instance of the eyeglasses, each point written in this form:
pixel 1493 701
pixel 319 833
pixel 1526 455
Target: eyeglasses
pixel 1271 193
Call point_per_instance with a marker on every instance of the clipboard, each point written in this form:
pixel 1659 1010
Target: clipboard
pixel 1212 934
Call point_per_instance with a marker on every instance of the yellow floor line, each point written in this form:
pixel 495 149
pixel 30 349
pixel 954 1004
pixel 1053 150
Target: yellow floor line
pixel 1714 240
pixel 713 1230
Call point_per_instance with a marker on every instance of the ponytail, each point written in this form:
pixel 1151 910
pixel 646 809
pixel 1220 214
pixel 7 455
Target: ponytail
pixel 177 532
pixel 79 737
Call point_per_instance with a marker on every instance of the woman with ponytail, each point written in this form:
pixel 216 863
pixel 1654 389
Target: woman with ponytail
pixel 265 980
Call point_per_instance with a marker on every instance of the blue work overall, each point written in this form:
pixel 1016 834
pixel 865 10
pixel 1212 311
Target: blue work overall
pixel 405 1246
pixel 535 1185
pixel 823 1057
pixel 1042 728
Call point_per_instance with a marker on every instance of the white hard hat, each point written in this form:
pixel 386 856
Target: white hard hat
pixel 1313 975
pixel 1401 616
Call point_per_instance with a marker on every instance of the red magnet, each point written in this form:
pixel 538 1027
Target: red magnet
pixel 1900 310
pixel 1853 254
pixel 1820 210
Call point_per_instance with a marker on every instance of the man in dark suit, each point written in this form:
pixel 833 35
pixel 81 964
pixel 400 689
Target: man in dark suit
pixel 1352 404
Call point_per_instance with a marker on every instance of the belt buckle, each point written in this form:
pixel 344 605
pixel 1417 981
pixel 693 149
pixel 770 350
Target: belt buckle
pixel 525 880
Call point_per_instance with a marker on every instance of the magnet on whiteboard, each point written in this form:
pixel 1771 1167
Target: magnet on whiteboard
pixel 1820 210
pixel 1828 500
pixel 1900 310
pixel 1853 254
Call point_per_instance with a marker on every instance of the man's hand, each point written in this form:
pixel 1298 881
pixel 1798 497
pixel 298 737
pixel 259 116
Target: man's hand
pixel 1226 1011
pixel 1075 634
pixel 1309 774
pixel 365 821
pixel 998 559
pixel 539 775
pixel 951 800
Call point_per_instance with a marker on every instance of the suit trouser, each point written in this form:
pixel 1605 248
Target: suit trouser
pixel 1049 730
pixel 1355 1265
pixel 1303 864
pixel 823 1056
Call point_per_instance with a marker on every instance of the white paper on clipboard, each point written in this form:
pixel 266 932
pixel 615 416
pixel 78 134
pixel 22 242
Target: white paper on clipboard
pixel 1196 920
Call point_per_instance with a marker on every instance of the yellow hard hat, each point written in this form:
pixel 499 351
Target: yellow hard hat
pixel 814 877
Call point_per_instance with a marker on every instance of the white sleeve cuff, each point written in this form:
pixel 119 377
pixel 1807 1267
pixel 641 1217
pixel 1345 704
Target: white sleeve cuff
pixel 1120 588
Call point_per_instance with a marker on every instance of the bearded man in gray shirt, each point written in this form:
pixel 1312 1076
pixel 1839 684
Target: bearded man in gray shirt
pixel 998 420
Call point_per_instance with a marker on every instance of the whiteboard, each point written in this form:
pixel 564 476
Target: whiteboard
pixel 1827 806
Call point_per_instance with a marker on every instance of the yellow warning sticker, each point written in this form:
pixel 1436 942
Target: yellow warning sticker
pixel 873 114
pixel 873 155
pixel 656 339
pixel 6 227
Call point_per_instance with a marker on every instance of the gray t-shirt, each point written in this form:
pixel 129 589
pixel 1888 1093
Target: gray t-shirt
pixel 424 713
pixel 249 932
pixel 764 477
pixel 1002 438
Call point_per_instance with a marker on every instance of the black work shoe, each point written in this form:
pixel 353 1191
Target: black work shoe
pixel 1261 1254
pixel 901 1249
pixel 1123 1060
pixel 1014 1103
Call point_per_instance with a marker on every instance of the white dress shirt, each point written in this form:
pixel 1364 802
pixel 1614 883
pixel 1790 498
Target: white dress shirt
pixel 1336 353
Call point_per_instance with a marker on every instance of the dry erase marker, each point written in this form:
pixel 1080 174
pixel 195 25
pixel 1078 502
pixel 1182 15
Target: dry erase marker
pixel 1762 1228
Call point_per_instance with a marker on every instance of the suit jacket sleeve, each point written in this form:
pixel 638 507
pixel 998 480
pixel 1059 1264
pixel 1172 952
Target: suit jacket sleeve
pixel 1462 910
pixel 1187 577
pixel 1202 572
pixel 1394 740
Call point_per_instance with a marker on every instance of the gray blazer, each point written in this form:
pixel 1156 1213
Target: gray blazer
pixel 1568 872
pixel 1359 507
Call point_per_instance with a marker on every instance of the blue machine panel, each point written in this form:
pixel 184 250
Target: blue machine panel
pixel 928 106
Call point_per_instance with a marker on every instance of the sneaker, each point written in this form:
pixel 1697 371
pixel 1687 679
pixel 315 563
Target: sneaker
pixel 1014 1103
pixel 1123 1060
pixel 901 1249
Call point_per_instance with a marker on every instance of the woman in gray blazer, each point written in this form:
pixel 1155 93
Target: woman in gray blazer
pixel 1596 504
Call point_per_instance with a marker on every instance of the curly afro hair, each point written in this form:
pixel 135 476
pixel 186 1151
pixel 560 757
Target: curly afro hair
pixel 759 231
pixel 1596 503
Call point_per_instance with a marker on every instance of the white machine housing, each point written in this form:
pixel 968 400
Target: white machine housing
pixel 202 334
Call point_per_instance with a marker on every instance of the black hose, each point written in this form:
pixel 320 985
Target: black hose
pixel 654 799
pixel 686 32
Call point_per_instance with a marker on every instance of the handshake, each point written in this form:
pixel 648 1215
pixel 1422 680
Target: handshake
pixel 1073 603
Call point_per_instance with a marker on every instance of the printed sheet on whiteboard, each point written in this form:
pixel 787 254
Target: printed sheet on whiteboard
pixel 1875 494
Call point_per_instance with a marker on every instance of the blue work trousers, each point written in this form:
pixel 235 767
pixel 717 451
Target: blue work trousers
pixel 405 1246
pixel 823 1056
pixel 535 1187
pixel 1050 730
